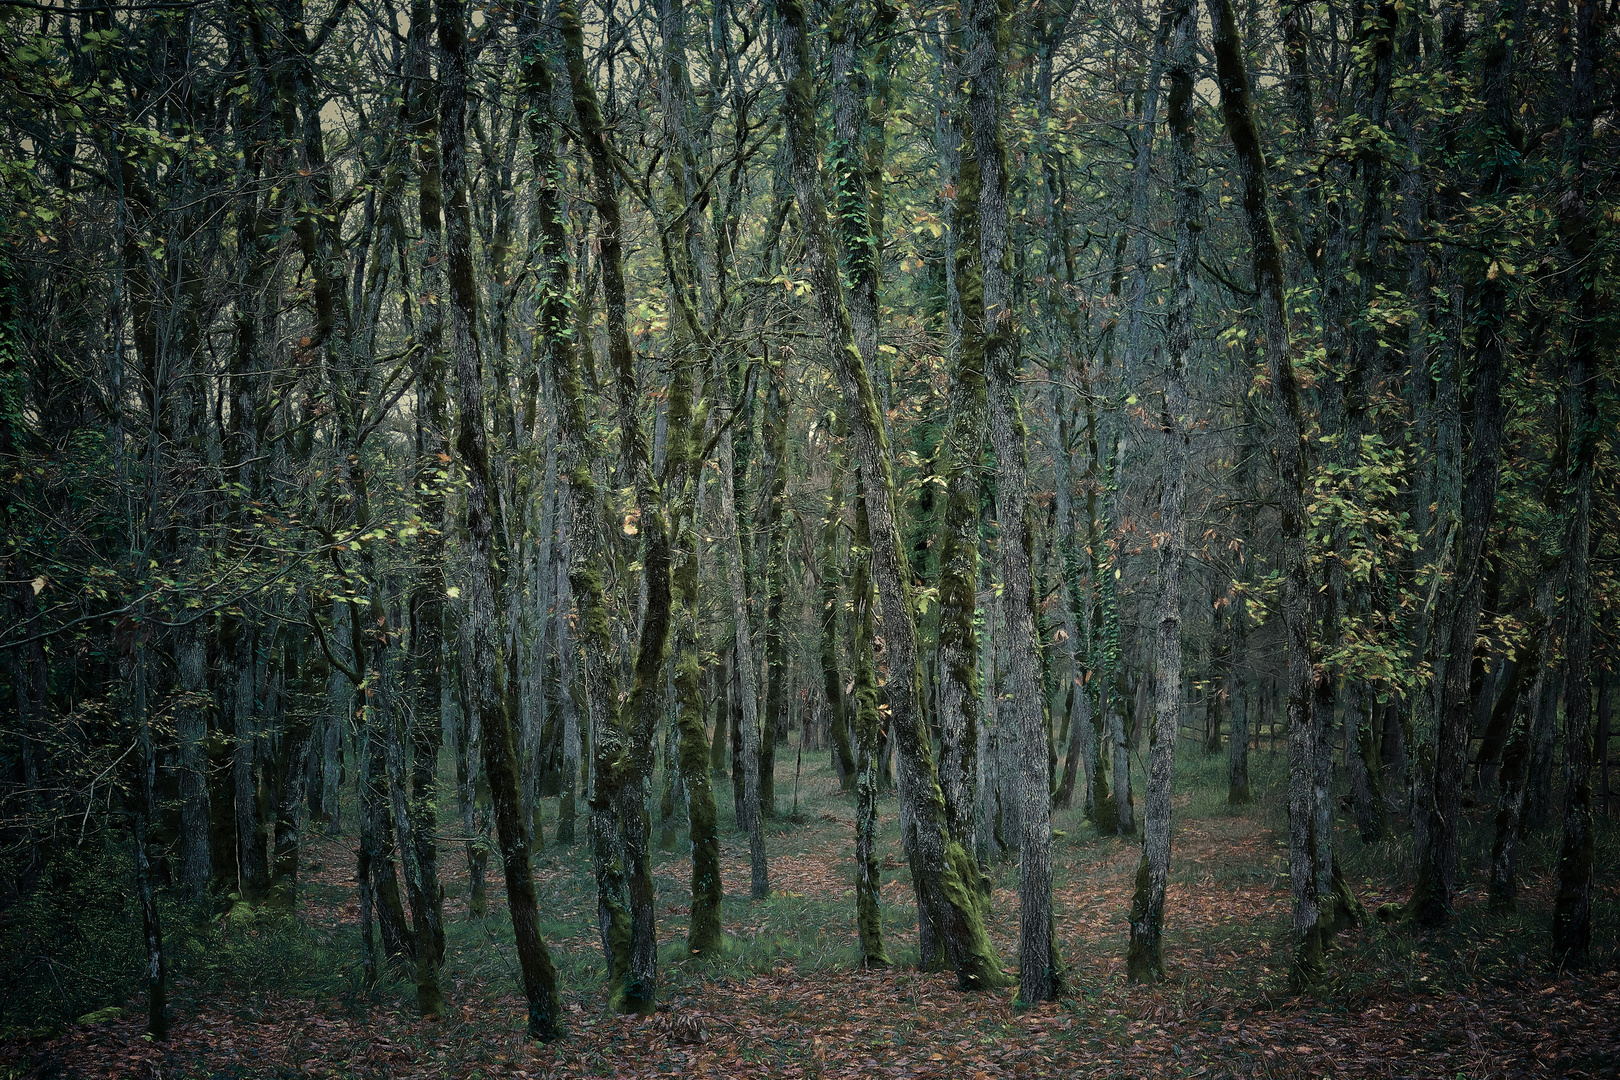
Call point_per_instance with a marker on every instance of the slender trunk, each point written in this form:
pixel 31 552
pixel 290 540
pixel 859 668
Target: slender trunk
pixel 962 448
pixel 1271 283
pixel 191 732
pixel 305 678
pixel 1040 968
pixel 426 601
pixel 831 572
pixel 133 666
pixel 777 409
pixel 1528 718
pixel 1237 739
pixel 1123 801
pixel 1145 960
pixel 743 681
pixel 868 880
pixel 720 743
pixel 482 650
pixel 567 668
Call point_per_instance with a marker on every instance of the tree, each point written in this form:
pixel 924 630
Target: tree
pixel 1145 960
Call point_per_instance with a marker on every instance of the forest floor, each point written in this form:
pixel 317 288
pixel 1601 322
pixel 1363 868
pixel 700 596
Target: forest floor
pixel 282 997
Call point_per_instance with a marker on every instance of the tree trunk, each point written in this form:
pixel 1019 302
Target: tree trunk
pixel 939 864
pixel 720 682
pixel 774 528
pixel 1271 283
pixel 962 449
pixel 1239 733
pixel 832 677
pixel 1040 969
pixel 759 882
pixel 191 732
pixel 1123 801
pixel 1144 962
pixel 868 880
pixel 481 651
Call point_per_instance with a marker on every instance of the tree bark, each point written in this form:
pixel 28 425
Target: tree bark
pixel 962 449
pixel 482 651
pixel 1040 968
pixel 1270 283
pixel 868 877
pixel 831 573
pixel 1144 962
pixel 938 862
pixel 759 881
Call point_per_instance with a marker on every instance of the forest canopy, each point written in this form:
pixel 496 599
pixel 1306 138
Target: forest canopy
pixel 478 429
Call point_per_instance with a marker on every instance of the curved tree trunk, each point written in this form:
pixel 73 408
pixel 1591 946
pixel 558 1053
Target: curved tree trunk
pixel 939 864
pixel 482 651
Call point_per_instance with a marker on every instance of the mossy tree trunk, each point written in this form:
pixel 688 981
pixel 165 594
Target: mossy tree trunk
pixel 939 864
pixel 686 420
pixel 868 878
pixel 1271 284
pixel 481 652
pixel 1040 969
pixel 858 111
pixel 961 452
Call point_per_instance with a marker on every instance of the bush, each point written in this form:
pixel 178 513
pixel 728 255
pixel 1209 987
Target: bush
pixel 74 941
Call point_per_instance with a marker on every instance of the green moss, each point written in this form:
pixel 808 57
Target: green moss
pixel 979 967
pixel 1309 964
pixel 1144 960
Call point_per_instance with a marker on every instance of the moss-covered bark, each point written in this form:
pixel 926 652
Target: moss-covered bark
pixel 937 876
pixel 961 451
pixel 485 671
pixel 868 880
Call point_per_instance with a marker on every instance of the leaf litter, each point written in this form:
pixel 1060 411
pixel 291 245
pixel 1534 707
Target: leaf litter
pixel 1223 1011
